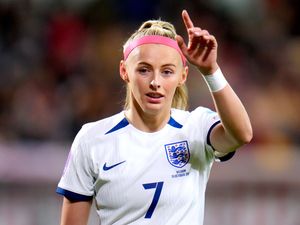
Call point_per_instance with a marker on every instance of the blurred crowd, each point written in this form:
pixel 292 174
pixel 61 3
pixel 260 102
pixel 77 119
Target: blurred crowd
pixel 59 62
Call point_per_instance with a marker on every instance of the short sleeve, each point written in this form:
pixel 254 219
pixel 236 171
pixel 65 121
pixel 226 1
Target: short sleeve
pixel 213 120
pixel 209 120
pixel 76 183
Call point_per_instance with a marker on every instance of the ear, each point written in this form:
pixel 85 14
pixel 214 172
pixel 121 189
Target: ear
pixel 123 71
pixel 183 76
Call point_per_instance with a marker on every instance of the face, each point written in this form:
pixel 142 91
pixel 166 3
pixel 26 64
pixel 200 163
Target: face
pixel 153 72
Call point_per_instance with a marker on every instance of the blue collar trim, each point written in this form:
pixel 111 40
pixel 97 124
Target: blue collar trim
pixel 124 122
pixel 174 123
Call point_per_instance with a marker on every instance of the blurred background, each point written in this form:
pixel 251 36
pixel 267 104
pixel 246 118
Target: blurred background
pixel 59 68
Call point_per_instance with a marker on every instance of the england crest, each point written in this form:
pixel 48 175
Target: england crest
pixel 178 153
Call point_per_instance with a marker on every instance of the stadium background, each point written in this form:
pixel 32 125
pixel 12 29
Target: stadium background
pixel 59 69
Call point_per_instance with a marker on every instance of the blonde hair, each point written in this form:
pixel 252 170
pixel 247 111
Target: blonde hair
pixel 166 29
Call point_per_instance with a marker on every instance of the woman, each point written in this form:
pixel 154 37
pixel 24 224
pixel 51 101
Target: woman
pixel 150 163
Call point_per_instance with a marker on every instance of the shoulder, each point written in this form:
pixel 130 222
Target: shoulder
pixel 99 128
pixel 183 116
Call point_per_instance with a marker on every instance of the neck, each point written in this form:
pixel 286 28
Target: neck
pixel 145 121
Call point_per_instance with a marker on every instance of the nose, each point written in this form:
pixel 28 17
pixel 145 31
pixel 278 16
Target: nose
pixel 154 84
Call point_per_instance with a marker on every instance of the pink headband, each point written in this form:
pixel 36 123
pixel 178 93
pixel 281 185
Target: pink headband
pixel 153 39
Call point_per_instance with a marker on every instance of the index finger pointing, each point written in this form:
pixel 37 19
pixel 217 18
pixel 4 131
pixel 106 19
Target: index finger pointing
pixel 187 20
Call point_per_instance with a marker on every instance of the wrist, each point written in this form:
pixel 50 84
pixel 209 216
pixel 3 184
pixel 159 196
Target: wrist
pixel 209 70
pixel 216 81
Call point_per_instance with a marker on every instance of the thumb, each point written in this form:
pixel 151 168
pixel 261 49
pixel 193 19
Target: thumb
pixel 181 45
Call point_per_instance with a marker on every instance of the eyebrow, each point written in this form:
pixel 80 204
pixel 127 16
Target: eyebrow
pixel 164 65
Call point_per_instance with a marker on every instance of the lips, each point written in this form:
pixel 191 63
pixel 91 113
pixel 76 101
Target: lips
pixel 154 97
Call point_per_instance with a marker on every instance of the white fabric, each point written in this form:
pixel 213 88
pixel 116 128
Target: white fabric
pixel 124 193
pixel 216 81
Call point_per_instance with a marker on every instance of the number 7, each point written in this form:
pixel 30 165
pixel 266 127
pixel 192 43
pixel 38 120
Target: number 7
pixel 158 187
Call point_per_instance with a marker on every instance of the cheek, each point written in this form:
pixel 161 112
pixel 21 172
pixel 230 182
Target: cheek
pixel 171 86
pixel 137 86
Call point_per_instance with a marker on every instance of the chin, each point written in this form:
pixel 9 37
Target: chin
pixel 154 109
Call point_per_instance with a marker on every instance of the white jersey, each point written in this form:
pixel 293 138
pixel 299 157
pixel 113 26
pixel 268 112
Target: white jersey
pixel 143 178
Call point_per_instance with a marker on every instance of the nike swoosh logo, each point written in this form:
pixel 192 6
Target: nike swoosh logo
pixel 105 167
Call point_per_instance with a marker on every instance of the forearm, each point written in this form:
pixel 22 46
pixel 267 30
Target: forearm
pixel 201 51
pixel 236 126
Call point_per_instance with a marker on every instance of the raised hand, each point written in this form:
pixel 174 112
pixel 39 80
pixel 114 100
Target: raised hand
pixel 201 50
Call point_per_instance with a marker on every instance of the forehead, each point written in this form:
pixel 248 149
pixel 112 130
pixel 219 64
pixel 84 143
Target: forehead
pixel 155 53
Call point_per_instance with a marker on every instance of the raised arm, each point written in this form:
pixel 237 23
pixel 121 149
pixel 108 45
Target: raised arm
pixel 201 51
pixel 75 213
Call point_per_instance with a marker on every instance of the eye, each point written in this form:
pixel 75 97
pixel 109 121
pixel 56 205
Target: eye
pixel 168 72
pixel 143 70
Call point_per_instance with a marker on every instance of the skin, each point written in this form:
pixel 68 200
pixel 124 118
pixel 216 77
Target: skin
pixel 156 70
pixel 153 72
pixel 235 129
pixel 75 213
